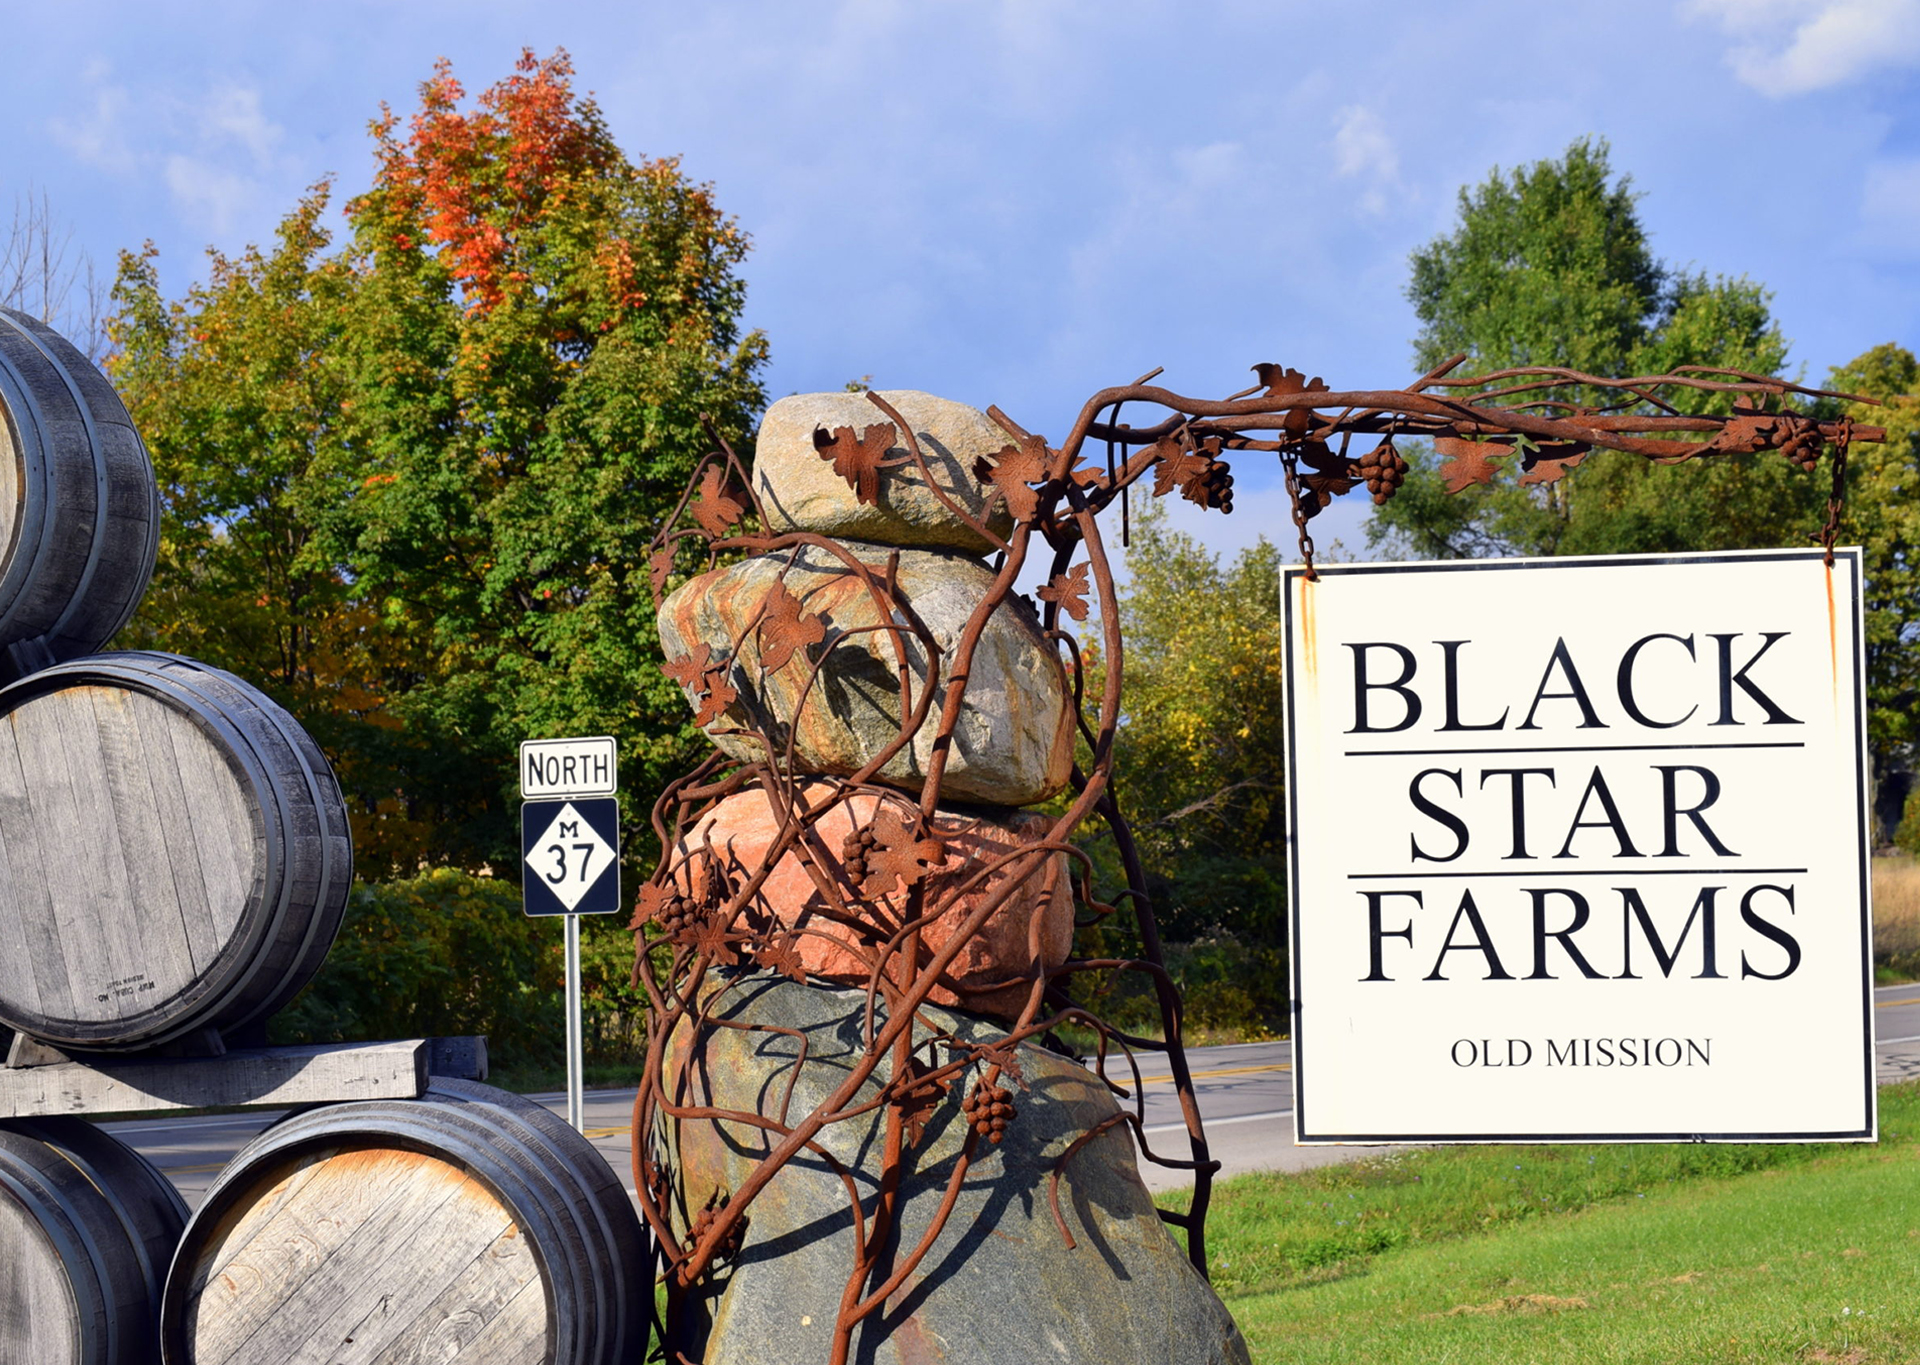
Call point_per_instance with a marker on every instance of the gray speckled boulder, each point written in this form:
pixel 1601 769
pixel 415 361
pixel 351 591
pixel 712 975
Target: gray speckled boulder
pixel 1001 1283
pixel 802 493
pixel 1013 745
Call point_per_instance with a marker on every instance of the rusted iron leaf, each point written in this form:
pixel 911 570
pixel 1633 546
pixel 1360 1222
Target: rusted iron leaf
pixel 1468 462
pixel 1069 591
pixel 900 851
pixel 1012 470
pixel 1008 1061
pixel 653 899
pixel 716 510
pixel 919 1100
pixel 782 955
pixel 856 458
pixel 716 695
pixel 1323 459
pixel 1750 428
pixel 712 940
pixel 1282 382
pixel 1199 477
pixel 786 628
pixel 659 566
pixel 687 669
pixel 1327 487
pixel 706 680
pixel 1551 461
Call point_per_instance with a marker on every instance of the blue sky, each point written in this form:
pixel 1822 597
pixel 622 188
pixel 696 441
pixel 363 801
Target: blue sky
pixel 1023 202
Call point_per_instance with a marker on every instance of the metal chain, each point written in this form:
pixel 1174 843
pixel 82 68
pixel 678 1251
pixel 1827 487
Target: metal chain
pixel 1836 496
pixel 1289 462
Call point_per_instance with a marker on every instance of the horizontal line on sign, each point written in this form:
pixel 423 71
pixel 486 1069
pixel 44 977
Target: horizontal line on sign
pixel 1571 749
pixel 1576 872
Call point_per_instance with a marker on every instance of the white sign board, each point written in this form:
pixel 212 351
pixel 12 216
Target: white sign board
pixel 1579 850
pixel 555 768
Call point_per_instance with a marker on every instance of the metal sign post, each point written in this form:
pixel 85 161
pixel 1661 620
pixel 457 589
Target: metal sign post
pixel 570 846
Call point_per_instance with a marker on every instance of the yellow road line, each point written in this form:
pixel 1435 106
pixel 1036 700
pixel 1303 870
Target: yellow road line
pixel 1882 1004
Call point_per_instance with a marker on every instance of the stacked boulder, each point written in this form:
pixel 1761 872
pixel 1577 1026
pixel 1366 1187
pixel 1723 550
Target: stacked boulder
pixel 1022 1269
pixel 1012 744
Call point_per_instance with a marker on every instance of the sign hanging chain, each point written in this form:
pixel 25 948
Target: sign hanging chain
pixel 1290 463
pixel 1836 496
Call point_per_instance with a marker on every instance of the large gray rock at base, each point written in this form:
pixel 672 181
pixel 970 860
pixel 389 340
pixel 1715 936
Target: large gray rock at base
pixel 1001 1283
pixel 1013 743
pixel 801 492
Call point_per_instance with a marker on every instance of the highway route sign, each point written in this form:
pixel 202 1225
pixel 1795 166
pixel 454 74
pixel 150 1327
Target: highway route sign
pixel 572 855
pixel 553 768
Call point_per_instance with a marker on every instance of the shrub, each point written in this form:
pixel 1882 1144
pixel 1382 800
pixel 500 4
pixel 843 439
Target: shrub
pixel 447 952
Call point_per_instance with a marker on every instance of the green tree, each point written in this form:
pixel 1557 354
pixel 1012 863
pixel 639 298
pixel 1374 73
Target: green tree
pixel 1199 768
pixel 1882 515
pixel 1550 265
pixel 232 389
pixel 409 483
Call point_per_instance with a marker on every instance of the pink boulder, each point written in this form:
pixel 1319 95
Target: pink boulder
pixel 856 852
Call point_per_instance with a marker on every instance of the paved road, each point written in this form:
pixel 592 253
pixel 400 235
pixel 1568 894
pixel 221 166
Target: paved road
pixel 1245 1092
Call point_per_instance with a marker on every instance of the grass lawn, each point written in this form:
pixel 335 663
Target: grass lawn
pixel 1647 1253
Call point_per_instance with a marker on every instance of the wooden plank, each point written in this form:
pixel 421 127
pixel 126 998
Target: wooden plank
pixel 189 892
pixel 515 1336
pixel 92 901
pixel 461 1058
pixel 154 954
pixel 441 1329
pixel 39 1323
pixel 322 1257
pixel 229 834
pixel 27 938
pixel 411 1271
pixel 269 1076
pixel 71 961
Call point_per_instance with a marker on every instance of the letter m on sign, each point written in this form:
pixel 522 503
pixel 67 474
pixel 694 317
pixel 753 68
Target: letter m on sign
pixel 569 829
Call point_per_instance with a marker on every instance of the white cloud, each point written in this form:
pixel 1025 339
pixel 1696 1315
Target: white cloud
pixel 97 137
pixel 1362 148
pixel 234 115
pixel 1791 47
pixel 216 150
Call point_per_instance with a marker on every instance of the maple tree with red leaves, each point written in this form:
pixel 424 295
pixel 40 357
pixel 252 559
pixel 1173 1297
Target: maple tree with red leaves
pixel 435 453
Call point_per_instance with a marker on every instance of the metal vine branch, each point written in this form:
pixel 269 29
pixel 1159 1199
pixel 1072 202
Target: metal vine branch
pixel 898 885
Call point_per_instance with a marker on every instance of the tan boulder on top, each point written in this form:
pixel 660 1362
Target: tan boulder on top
pixel 1013 741
pixel 1031 931
pixel 801 492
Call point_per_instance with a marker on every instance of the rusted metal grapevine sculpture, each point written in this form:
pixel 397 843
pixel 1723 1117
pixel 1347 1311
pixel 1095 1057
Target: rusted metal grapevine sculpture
pixel 871 871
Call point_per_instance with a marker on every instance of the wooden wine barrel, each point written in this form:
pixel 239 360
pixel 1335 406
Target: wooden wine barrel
pixel 87 1230
pixel 79 512
pixel 467 1226
pixel 174 852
